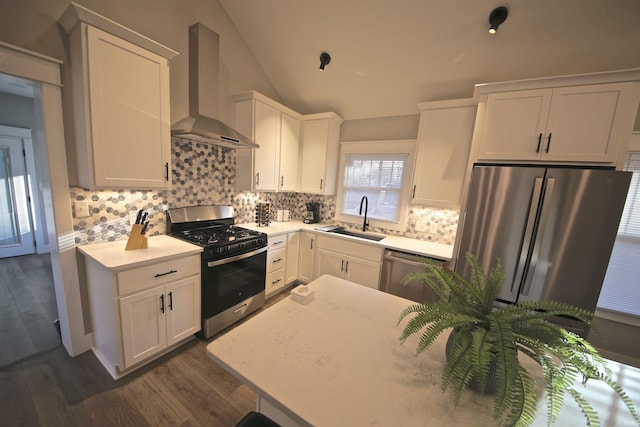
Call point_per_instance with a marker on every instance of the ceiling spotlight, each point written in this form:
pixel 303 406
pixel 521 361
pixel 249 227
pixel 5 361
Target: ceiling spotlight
pixel 497 17
pixel 325 58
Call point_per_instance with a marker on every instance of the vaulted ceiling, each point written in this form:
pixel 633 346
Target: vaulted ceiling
pixel 388 55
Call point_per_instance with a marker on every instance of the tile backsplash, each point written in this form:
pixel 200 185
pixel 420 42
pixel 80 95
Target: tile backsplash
pixel 205 174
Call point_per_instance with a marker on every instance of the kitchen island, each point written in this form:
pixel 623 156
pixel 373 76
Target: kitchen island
pixel 337 361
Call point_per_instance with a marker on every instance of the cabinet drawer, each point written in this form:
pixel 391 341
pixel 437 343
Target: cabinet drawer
pixel 344 246
pixel 277 242
pixel 276 259
pixel 274 282
pixel 152 275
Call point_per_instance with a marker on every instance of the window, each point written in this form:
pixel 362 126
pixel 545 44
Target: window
pixel 621 289
pixel 379 171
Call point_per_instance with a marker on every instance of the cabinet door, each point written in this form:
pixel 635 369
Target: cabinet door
pixel 363 272
pixel 329 262
pixel 293 246
pixel 443 149
pixel 581 123
pixel 182 300
pixel 289 153
pixel 513 125
pixel 129 122
pixel 143 327
pixel 267 135
pixel 306 257
pixel 314 156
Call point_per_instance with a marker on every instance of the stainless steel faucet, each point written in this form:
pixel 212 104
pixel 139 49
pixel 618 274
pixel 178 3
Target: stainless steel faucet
pixel 365 224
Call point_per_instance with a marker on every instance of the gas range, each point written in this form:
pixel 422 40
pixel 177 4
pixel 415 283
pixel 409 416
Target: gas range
pixel 233 263
pixel 221 241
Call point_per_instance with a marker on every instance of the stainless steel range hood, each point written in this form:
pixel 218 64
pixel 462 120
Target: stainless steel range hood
pixel 202 124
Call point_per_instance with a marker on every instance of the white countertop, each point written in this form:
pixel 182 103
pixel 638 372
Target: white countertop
pixel 337 361
pixel 113 256
pixel 418 247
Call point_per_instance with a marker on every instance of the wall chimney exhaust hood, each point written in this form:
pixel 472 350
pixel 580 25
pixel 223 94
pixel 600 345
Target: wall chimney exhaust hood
pixel 201 125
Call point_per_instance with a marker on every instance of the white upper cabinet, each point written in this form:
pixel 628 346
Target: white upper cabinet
pixel 320 153
pixel 120 104
pixel 444 140
pixel 582 123
pixel 274 166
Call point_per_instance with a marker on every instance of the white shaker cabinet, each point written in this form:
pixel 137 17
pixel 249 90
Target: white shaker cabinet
pixel 582 123
pixel 142 303
pixel 293 248
pixel 121 109
pixel 356 262
pixel 276 263
pixel 306 257
pixel 274 166
pixel 320 153
pixel 158 318
pixel 444 141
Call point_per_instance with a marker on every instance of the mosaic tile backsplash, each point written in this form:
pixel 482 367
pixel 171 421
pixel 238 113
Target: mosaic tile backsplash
pixel 205 174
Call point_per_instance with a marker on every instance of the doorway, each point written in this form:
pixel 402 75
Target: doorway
pixel 16 222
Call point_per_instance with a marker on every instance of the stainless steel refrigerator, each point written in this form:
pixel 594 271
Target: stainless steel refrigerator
pixel 552 227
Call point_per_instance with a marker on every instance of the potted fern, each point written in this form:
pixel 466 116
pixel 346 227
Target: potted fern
pixel 486 336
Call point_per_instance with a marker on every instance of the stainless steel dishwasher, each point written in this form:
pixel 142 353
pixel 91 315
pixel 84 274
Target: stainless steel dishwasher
pixel 395 266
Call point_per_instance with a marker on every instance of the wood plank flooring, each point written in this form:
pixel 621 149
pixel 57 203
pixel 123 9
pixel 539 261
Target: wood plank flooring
pixel 182 388
pixel 27 307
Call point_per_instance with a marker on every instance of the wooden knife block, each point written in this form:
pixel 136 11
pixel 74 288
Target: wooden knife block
pixel 136 239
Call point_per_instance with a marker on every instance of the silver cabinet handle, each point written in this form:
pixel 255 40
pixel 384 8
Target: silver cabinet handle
pixel 282 181
pixel 279 242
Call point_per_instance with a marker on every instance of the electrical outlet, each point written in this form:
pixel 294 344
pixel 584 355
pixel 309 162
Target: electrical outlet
pixel 132 217
pixel 433 228
pixel 81 208
pixel 421 225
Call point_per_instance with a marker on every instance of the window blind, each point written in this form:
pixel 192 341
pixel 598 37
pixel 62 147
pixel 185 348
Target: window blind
pixel 621 289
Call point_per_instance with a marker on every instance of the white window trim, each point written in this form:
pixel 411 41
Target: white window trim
pixel 401 146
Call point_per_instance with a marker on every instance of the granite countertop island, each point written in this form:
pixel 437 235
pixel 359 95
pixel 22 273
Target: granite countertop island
pixel 337 361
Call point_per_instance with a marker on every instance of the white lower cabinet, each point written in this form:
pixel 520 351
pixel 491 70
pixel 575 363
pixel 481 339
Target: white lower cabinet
pixel 306 257
pixel 142 312
pixel 158 318
pixel 293 247
pixel 276 263
pixel 357 262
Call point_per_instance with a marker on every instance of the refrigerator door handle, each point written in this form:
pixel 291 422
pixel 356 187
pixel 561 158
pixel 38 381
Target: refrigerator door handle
pixel 544 215
pixel 528 234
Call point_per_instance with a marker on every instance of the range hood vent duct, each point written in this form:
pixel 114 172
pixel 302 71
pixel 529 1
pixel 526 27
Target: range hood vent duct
pixel 201 125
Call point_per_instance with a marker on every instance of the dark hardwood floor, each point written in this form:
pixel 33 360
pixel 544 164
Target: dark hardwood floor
pixel 182 388
pixel 27 307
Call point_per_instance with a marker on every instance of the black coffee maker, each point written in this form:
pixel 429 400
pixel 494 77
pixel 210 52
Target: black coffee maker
pixel 313 213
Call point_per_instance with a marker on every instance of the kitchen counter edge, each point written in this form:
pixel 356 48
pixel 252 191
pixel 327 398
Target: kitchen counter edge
pixel 419 247
pixel 114 257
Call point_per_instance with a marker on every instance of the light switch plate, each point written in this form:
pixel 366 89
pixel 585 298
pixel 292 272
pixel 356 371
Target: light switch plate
pixel 421 225
pixel 81 208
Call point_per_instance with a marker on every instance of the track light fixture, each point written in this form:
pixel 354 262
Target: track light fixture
pixel 497 17
pixel 325 58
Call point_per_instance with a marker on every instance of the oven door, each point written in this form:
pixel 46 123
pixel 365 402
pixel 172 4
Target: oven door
pixel 230 281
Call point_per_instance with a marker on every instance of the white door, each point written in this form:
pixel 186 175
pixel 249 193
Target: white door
pixel 306 257
pixel 328 262
pixel 142 318
pixel 183 309
pixel 363 272
pixel 16 234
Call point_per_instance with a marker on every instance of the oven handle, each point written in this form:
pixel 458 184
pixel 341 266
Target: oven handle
pixel 236 258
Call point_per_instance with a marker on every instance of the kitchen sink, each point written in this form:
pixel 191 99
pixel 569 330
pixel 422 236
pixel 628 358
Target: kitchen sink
pixel 346 232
